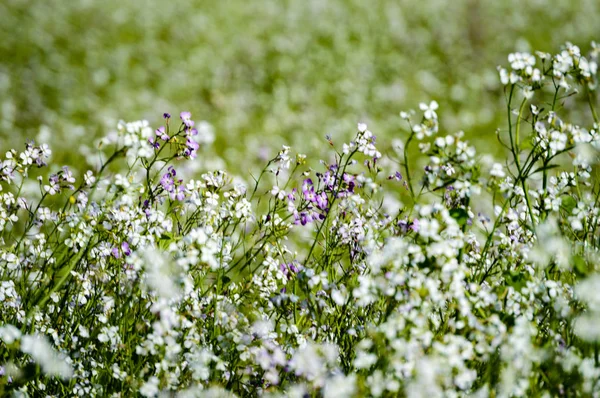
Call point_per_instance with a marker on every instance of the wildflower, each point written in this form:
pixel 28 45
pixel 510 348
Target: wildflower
pixel 429 110
pixel 150 388
pixel 321 201
pixel 9 334
pixel 497 171
pixel 278 193
pixel 125 248
pixel 186 118
pixel 162 133
pixel 309 192
pixel 396 176
pixel 52 188
pixel 89 178
pixel 49 360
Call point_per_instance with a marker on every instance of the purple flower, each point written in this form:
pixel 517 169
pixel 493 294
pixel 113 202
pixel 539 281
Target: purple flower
pixel 308 190
pixel 178 193
pixel 186 119
pixel 175 188
pixel 167 182
pixel 415 225
pixel 329 180
pixel 291 197
pixel 309 194
pixel 406 226
pixel 403 224
pixel 305 218
pixel 288 269
pixel 162 133
pixel 284 268
pixel 191 148
pixel 125 248
pixel 294 268
pixel 349 179
pixel 322 201
pixel 167 115
pixel 153 143
pixel 396 176
pixel 115 252
pixel 302 218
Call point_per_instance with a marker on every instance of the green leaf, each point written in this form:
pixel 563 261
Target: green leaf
pixel 580 266
pixel 568 203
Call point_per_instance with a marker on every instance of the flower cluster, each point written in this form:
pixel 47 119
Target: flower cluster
pixel 136 279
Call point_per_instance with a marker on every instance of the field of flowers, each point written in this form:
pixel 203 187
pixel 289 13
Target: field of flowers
pixel 456 253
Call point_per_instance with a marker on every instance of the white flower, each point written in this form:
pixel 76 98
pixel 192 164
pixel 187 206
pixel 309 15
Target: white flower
pixel 89 178
pixel 52 189
pixel 364 360
pixel 150 388
pixel 160 276
pixel 243 209
pixel 45 150
pixel 587 327
pixel 429 110
pixel 278 193
pixel 9 334
pixel 503 75
pixel 40 349
pixel 419 130
pixel 497 171
pixel 340 386
pixel 12 261
pixel 405 115
pixel 520 61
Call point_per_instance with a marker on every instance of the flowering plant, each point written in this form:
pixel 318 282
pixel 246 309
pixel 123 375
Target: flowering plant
pixel 314 281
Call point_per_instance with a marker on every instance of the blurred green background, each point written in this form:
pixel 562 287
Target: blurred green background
pixel 265 73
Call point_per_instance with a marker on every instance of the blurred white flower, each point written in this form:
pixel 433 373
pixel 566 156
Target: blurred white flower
pixel 42 352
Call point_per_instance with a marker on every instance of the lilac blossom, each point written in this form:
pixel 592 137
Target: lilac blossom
pixel 162 133
pixel 396 176
pixel 186 118
pixel 322 201
pixel 125 248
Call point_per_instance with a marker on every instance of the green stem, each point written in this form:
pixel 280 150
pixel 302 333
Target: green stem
pixel 406 167
pixel 333 200
pixel 591 103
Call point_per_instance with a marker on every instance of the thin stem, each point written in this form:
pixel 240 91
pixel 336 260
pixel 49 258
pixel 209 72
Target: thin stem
pixel 591 103
pixel 406 167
